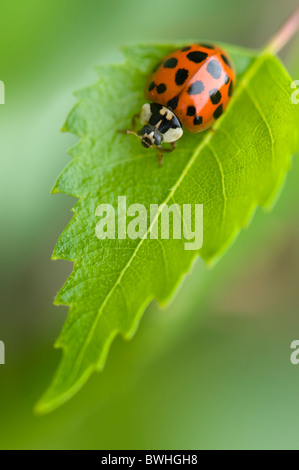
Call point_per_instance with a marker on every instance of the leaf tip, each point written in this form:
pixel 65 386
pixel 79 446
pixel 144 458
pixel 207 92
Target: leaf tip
pixel 45 405
pixel 54 256
pixel 39 409
pixel 64 128
pixel 57 301
pixel 55 189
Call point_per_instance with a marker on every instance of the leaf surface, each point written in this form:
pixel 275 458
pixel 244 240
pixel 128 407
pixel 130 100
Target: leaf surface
pixel 230 171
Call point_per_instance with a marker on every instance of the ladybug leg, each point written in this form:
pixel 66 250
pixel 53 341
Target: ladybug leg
pixel 160 155
pixel 173 147
pixel 160 150
pixel 212 129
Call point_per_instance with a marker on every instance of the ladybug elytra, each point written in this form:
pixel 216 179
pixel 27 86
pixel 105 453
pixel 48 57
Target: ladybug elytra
pixel 191 88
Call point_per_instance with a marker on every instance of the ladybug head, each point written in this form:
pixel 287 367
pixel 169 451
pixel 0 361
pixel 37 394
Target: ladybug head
pixel 150 136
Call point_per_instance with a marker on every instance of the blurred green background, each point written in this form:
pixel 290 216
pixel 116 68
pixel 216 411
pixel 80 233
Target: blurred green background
pixel 212 370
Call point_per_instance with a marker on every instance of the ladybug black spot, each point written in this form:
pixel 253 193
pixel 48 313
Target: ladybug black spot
pixel 215 96
pixel 226 79
pixel 170 63
pixel 197 56
pixel 172 104
pixel 161 88
pixel 191 111
pixel 218 111
pixel 151 86
pixel 196 88
pixel 214 69
pixel 197 120
pixel 181 76
pixel 226 61
pixel 230 89
pixel 187 48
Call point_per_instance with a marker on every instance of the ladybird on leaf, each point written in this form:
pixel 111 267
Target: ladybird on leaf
pixel 191 88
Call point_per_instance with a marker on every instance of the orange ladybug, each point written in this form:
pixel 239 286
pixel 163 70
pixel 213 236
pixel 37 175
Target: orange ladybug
pixel 191 88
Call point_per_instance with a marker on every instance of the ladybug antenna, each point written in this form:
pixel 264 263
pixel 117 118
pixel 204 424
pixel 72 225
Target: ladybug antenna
pixel 134 133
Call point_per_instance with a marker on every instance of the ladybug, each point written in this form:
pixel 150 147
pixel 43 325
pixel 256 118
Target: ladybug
pixel 191 87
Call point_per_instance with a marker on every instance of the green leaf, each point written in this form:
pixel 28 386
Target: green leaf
pixel 230 171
